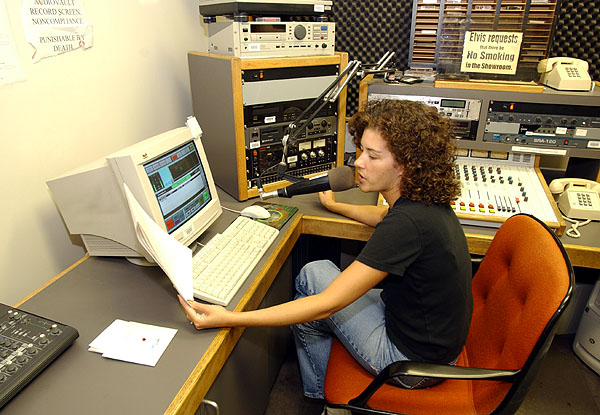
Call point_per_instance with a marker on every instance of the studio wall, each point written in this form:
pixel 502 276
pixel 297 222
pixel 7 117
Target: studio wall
pixel 79 106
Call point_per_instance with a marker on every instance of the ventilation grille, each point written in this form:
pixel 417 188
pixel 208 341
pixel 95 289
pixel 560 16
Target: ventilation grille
pixel 99 246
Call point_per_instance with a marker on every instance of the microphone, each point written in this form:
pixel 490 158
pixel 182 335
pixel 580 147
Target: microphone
pixel 338 179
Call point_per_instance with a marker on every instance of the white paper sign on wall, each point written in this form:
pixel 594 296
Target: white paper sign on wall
pixel 53 27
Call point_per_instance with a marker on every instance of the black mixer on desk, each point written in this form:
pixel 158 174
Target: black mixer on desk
pixel 28 344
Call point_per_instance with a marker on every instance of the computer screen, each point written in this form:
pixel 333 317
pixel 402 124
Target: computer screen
pixel 179 183
pixel 170 178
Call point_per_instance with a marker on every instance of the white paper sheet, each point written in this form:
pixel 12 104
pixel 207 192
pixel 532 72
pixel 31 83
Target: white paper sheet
pixel 116 330
pixel 11 70
pixel 133 342
pixel 174 258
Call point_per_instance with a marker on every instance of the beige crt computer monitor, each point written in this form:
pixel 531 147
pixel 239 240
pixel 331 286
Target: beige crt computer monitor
pixel 169 176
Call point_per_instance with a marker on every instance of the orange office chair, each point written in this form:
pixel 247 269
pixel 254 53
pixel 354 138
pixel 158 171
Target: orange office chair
pixel 520 290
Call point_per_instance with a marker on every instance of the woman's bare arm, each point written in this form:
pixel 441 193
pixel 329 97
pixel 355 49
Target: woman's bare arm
pixel 367 214
pixel 352 283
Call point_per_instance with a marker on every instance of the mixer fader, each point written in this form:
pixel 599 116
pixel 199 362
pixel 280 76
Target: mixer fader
pixel 494 190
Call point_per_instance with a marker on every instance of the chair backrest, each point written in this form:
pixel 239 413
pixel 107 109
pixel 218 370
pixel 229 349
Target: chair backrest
pixel 520 289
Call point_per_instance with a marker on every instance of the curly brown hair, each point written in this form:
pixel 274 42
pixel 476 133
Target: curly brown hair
pixel 420 140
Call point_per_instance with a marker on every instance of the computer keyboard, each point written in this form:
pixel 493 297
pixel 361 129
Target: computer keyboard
pixel 224 263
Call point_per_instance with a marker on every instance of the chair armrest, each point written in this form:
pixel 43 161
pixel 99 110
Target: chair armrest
pixel 431 370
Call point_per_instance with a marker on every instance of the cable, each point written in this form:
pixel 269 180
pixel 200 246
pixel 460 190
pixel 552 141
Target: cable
pixel 231 210
pixel 573 232
pixel 199 245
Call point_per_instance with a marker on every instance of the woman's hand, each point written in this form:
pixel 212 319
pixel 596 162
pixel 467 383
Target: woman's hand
pixel 327 199
pixel 204 316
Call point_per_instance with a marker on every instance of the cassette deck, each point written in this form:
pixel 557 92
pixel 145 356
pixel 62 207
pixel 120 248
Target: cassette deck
pixel 271 39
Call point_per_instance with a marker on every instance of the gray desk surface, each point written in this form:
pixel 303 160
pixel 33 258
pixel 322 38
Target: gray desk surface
pixel 94 294
pixel 100 290
pixel 89 298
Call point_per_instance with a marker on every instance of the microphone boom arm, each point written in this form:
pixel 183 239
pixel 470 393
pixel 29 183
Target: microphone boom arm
pixel 293 129
pixel 329 95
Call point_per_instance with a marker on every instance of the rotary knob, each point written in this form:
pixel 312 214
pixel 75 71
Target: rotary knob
pixel 43 340
pixel 299 32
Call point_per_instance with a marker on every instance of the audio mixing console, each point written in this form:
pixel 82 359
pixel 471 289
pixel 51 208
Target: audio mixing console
pixel 493 190
pixel 28 343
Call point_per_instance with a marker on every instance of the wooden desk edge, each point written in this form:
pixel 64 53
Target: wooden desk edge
pixel 583 256
pixel 580 255
pixel 335 228
pixel 200 380
pixel 49 282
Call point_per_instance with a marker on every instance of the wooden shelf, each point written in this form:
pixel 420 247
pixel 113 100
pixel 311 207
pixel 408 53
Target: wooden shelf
pixel 438 27
pixel 491 85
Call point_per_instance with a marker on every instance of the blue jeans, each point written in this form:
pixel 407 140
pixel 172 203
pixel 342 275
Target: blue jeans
pixel 360 327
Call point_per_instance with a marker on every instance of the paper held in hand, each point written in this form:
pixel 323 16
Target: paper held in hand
pixel 174 258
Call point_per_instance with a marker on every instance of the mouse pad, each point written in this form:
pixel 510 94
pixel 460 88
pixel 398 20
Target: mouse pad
pixel 280 214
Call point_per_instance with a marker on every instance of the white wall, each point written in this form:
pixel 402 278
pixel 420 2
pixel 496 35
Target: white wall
pixel 79 106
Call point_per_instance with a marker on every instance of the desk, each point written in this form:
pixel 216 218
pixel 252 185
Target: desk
pixel 96 291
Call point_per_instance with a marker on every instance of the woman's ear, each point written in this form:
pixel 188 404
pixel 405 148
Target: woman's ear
pixel 399 174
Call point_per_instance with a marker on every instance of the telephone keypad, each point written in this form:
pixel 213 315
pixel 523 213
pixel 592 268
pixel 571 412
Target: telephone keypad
pixel 572 72
pixel 584 199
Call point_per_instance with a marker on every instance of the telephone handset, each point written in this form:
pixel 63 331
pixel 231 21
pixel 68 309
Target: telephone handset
pixel 568 74
pixel 577 198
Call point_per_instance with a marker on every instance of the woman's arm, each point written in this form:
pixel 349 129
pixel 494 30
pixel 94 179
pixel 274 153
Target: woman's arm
pixel 369 215
pixel 352 283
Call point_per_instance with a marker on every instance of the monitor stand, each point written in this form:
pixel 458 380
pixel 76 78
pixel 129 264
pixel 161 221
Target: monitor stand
pixel 141 261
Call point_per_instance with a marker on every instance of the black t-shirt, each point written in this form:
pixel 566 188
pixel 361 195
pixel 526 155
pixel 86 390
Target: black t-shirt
pixel 427 294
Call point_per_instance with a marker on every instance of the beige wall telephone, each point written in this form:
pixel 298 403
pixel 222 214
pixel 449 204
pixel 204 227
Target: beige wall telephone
pixel 577 198
pixel 563 73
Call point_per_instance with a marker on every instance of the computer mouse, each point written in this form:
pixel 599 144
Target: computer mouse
pixel 255 212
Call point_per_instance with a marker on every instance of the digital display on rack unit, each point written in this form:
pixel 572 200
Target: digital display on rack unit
pixel 453 103
pixel 267 28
